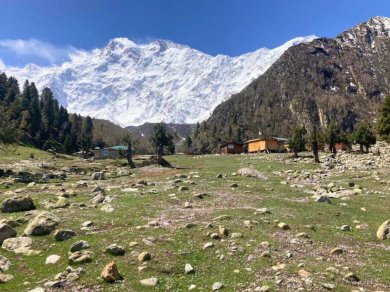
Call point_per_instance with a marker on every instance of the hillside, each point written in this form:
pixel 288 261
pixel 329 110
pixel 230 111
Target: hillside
pixel 178 131
pixel 344 78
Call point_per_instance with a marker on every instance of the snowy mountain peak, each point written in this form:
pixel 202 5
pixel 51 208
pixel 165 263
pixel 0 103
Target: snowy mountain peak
pixel 130 84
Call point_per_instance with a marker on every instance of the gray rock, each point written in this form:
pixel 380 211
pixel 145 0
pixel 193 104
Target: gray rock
pixel 17 204
pixel 149 282
pixel 4 278
pixel 79 245
pixel 323 199
pixel 217 286
pixel 80 257
pixel 98 198
pixel 18 244
pixel 62 235
pixel 188 269
pixel 383 231
pixel 115 249
pixel 44 223
pixel 52 259
pixel 4 264
pixel 98 176
pixel 346 228
pixel 251 172
pixel 6 231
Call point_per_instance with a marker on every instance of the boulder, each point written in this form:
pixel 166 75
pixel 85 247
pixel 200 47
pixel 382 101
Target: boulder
pixel 115 249
pixel 17 244
pixel 79 245
pixel 6 231
pixel 251 172
pixel 44 223
pixel 80 257
pixel 62 235
pixel 17 204
pixel 383 231
pixel 110 273
pixel 144 256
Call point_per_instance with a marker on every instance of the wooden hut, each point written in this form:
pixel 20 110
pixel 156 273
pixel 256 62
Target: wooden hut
pixel 231 148
pixel 114 152
pixel 341 146
pixel 266 145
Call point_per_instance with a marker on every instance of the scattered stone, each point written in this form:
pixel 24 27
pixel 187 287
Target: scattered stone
pixel 278 267
pixel 110 273
pixel 383 231
pixel 188 269
pixel 328 286
pixel 223 231
pixel 17 204
pixel 98 198
pixel 144 256
pixel 98 176
pixel 38 289
pixel 323 199
pixel 208 245
pixel 18 245
pixel 42 224
pixel 263 289
pixel 337 251
pixel 4 278
pixel 52 259
pixel 236 235
pixel 115 249
pixel 187 205
pixel 62 235
pixel 149 282
pixel 351 277
pixel 263 211
pixel 283 226
pixel 80 257
pixel 6 231
pixel 250 172
pixel 303 273
pixel 79 245
pixel 4 264
pixel 346 228
pixel 234 185
pixel 183 189
pixel 217 286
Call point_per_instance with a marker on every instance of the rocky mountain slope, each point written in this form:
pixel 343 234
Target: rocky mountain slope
pixel 130 84
pixel 344 78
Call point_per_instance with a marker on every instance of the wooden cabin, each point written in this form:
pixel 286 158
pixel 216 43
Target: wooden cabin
pixel 321 146
pixel 341 146
pixel 266 145
pixel 114 152
pixel 231 148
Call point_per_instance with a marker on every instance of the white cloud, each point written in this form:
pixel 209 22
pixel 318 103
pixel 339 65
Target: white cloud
pixel 37 49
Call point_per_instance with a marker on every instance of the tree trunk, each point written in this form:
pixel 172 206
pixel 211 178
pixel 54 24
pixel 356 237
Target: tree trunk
pixel 295 153
pixel 160 152
pixel 129 156
pixel 315 152
pixel 361 148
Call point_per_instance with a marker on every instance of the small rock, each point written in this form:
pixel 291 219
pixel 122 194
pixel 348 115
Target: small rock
pixel 208 245
pixel 42 224
pixel 351 277
pixel 283 226
pixel 337 251
pixel 79 245
pixel 115 249
pixel 149 282
pixel 4 278
pixel 217 286
pixel 188 269
pixel 383 231
pixel 110 273
pixel 328 286
pixel 6 231
pixel 98 176
pixel 62 235
pixel 144 256
pixel 52 259
pixel 346 228
pixel 4 264
pixel 80 257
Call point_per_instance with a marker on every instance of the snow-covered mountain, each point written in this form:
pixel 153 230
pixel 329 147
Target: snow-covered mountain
pixel 130 84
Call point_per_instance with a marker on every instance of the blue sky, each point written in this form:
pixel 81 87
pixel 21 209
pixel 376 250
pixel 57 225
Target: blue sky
pixel 46 31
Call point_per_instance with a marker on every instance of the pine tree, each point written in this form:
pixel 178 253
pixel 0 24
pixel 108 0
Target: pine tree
pixel 332 135
pixel 364 135
pixel 297 141
pixel 383 124
pixel 161 140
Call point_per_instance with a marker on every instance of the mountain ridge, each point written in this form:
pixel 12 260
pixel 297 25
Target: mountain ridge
pixel 131 84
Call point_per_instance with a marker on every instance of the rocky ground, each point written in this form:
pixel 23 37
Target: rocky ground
pixel 264 222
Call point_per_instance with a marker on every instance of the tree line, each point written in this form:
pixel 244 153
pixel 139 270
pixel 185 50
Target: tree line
pixel 38 120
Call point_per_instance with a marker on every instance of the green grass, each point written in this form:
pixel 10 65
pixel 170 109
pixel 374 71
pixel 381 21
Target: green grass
pixel 175 246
